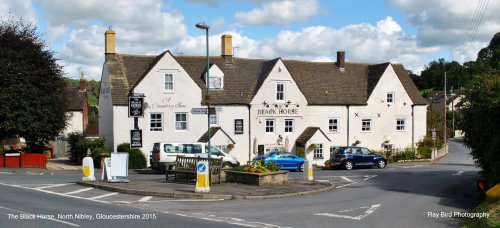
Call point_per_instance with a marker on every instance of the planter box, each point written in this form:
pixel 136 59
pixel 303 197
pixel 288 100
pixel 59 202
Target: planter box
pixel 271 178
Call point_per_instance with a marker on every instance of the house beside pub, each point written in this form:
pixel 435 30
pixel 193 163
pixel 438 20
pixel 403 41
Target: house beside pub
pixel 259 105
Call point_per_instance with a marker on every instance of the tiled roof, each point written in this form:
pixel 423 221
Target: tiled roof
pixel 242 79
pixel 322 83
pixel 73 99
pixel 308 133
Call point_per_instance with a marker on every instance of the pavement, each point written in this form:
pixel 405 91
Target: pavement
pixel 157 186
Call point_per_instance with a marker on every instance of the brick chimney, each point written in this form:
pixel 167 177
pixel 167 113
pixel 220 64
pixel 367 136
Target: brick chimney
pixel 227 49
pixel 341 59
pixel 109 43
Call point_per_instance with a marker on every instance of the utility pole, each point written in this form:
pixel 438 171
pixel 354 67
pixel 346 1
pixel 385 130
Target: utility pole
pixel 445 110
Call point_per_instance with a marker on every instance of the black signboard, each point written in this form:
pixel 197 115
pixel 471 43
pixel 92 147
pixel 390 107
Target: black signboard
pixel 135 106
pixel 238 126
pixel 135 138
pixel 260 150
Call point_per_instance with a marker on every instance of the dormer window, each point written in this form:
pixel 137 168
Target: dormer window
pixel 216 81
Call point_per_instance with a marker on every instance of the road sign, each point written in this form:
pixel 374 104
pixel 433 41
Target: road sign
pixel 202 177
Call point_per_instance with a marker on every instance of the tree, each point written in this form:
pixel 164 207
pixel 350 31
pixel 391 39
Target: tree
pixel 479 121
pixel 31 96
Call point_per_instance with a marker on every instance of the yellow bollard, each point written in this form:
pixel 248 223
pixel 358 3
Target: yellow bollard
pixel 202 177
pixel 88 169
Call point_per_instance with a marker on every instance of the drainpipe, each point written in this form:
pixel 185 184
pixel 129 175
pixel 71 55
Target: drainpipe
pixel 413 129
pixel 249 134
pixel 348 125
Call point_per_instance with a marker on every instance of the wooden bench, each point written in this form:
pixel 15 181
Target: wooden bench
pixel 185 169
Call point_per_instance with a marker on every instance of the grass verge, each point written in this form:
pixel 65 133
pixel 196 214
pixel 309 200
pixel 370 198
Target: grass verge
pixel 492 221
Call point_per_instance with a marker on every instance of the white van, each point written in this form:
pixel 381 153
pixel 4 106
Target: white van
pixel 164 154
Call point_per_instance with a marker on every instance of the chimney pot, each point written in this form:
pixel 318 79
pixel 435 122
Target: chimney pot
pixel 341 59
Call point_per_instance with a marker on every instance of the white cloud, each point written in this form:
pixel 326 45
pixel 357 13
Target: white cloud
pixel 18 9
pixel 446 23
pixel 280 13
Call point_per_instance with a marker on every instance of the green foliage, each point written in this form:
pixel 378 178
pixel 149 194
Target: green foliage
pixel 258 167
pixel 479 121
pixel 124 147
pixel 300 152
pixel 424 149
pixel 493 220
pixel 31 99
pixel 136 159
pixel 79 146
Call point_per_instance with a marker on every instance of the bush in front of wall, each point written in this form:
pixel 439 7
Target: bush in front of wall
pixel 136 159
pixel 300 152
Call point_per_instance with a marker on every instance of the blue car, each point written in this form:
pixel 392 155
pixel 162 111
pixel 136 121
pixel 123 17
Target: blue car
pixel 286 160
pixel 349 156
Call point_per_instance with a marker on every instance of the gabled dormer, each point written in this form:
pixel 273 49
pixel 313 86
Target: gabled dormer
pixel 216 78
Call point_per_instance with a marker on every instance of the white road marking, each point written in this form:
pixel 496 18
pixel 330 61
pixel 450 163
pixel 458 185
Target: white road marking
pixel 458 173
pixel 30 173
pixel 78 191
pixel 145 198
pixel 105 195
pixel 50 186
pixel 52 219
pixel 368 177
pixel 346 179
pixel 6 173
pixel 370 210
pixel 345 185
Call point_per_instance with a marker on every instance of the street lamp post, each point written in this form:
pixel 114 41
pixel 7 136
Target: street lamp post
pixel 207 96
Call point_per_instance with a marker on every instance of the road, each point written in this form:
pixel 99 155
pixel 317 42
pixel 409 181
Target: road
pixel 398 196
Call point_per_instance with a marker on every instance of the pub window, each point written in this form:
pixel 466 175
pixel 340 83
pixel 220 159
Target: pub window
pixel 366 125
pixel 169 83
pixel 214 119
pixel 288 126
pixel 333 125
pixel 180 121
pixel 390 98
pixel 269 125
pixel 280 91
pixel 318 152
pixel 156 122
pixel 400 125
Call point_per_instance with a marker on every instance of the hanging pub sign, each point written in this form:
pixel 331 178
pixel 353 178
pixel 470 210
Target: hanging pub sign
pixel 135 138
pixel 238 126
pixel 135 106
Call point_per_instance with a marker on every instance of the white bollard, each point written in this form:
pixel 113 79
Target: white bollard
pixel 202 177
pixel 88 169
pixel 308 170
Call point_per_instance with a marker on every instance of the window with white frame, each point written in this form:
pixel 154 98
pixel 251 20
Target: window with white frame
pixel 269 125
pixel 156 121
pixel 169 83
pixel 288 126
pixel 280 91
pixel 366 125
pixel 333 125
pixel 318 152
pixel 215 83
pixel 214 118
pixel 400 125
pixel 390 98
pixel 181 121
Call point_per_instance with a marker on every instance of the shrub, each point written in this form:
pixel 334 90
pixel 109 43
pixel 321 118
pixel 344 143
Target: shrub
pixel 300 152
pixel 136 159
pixel 79 146
pixel 124 147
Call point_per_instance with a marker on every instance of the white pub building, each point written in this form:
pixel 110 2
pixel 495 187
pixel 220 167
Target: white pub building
pixel 260 105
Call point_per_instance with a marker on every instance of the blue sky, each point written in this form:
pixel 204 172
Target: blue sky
pixel 401 31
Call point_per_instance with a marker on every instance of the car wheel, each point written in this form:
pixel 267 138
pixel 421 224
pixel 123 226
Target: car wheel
pixel 348 165
pixel 301 167
pixel 381 164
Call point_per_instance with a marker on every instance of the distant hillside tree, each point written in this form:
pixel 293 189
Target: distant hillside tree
pixel 31 82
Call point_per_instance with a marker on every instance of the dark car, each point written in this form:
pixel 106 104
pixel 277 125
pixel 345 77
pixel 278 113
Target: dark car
pixel 286 160
pixel 350 156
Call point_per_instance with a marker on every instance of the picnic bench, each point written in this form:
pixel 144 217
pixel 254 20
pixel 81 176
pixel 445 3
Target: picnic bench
pixel 185 169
